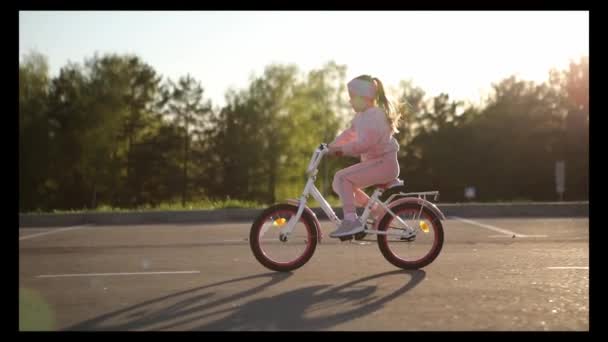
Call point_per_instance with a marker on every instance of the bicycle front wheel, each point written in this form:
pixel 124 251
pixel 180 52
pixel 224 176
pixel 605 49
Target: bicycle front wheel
pixel 413 246
pixel 279 253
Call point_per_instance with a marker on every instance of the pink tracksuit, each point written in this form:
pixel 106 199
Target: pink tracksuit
pixel 369 136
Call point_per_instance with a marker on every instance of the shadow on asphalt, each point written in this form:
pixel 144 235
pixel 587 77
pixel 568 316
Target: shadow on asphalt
pixel 283 311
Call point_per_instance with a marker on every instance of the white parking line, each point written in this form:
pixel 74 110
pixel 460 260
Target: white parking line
pixel 113 274
pixel 51 232
pixel 506 233
pixel 569 268
pixel 518 235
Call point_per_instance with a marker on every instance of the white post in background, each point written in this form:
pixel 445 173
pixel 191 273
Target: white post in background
pixel 560 178
pixel 469 192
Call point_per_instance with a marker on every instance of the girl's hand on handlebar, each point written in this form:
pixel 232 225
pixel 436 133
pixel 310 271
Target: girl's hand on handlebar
pixel 334 151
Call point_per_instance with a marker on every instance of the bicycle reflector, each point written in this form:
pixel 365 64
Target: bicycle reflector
pixel 424 226
pixel 279 222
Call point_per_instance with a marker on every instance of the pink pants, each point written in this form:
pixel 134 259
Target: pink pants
pixel 348 182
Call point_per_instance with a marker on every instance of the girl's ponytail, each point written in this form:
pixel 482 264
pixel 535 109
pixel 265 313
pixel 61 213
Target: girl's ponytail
pixel 392 116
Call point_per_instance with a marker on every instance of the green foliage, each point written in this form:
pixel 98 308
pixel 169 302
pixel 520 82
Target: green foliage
pixel 110 133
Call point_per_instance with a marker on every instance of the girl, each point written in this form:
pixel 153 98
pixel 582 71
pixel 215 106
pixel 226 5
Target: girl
pixel 370 136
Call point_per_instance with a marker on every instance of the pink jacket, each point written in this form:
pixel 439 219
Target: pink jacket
pixel 369 136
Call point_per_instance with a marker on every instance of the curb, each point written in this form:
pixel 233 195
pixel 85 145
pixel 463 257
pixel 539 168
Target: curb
pixel 470 210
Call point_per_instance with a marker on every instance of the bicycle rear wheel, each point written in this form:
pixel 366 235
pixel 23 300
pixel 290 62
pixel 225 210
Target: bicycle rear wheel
pixel 399 248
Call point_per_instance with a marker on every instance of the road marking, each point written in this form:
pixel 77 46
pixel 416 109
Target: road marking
pixel 506 232
pixel 569 268
pixel 518 235
pixel 113 274
pixel 487 226
pixel 51 232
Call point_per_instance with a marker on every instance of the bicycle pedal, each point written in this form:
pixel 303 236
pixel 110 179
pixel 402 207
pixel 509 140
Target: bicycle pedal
pixel 360 236
pixel 345 238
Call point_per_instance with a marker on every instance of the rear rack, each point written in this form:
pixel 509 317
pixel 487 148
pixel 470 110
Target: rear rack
pixel 422 195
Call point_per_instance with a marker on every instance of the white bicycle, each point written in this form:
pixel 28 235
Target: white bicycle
pixel 410 234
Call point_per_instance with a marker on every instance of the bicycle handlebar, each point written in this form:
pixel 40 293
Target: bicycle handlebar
pixel 316 157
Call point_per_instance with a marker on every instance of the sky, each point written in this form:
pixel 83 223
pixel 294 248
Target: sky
pixel 456 52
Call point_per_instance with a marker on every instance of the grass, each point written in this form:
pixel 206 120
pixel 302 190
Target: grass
pixel 206 204
pixel 203 204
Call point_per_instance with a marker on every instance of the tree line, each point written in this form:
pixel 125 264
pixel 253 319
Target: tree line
pixel 113 131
